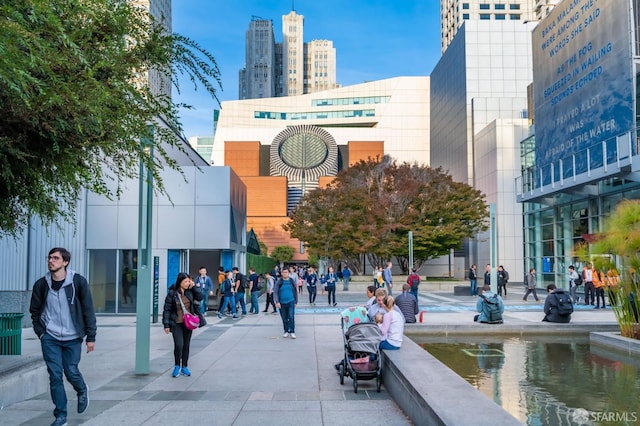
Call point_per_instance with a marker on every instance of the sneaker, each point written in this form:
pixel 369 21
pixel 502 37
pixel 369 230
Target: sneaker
pixel 285 334
pixel 335 304
pixel 186 372
pixel 219 316
pixel 596 307
pixel 83 400
pixel 235 317
pixel 176 371
pixel 293 335
pixel 265 311
pixel 60 421
pixel 274 313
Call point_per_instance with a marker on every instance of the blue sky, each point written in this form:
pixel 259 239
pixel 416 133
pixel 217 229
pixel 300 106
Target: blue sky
pixel 374 39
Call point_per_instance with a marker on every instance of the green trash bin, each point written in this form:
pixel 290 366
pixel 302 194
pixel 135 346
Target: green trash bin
pixel 11 334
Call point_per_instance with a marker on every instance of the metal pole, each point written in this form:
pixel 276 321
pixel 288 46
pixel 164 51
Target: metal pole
pixel 143 302
pixel 410 251
pixel 493 236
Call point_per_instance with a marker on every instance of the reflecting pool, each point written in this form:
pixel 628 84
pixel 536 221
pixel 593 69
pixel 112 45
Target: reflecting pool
pixel 544 380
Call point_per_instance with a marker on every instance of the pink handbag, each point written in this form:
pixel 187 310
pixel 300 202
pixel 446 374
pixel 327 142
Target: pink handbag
pixel 190 321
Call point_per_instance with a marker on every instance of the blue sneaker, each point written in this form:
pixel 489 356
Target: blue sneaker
pixel 186 371
pixel 60 421
pixel 176 371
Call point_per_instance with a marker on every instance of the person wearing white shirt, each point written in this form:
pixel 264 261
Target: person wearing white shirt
pixel 392 326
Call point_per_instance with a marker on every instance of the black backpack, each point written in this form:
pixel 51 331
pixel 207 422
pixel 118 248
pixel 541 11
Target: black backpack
pixel 492 309
pixel 578 281
pixel 244 282
pixel 565 304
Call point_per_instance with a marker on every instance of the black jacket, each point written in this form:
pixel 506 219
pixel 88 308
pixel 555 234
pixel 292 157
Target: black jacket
pixel 78 295
pixel 551 308
pixel 171 303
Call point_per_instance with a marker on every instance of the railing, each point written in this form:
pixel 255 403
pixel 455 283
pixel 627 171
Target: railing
pixel 608 157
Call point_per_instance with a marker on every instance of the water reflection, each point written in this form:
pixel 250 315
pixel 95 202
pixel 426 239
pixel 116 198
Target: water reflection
pixel 543 380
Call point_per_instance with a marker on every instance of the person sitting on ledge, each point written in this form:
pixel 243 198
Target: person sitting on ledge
pixel 558 306
pixel 490 306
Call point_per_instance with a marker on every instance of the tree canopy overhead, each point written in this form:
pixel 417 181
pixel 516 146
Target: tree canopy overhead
pixel 75 101
pixel 370 208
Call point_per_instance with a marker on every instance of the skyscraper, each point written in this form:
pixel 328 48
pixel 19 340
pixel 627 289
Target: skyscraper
pixel 290 68
pixel 257 79
pixel 293 53
pixel 453 13
pixel 160 84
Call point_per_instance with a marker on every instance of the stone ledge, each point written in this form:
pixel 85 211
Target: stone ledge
pixel 430 393
pixel 613 340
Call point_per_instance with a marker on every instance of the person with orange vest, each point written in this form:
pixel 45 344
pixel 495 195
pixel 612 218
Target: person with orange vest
pixel 599 283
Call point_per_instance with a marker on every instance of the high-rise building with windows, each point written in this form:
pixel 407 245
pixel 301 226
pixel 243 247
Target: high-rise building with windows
pixel 160 84
pixel 453 13
pixel 290 68
pixel 258 78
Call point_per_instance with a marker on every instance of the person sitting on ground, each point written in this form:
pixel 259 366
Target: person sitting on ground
pixel 554 306
pixel 392 327
pixel 490 306
pixel 408 304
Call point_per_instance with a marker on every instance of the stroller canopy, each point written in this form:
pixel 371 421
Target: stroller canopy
pixel 364 337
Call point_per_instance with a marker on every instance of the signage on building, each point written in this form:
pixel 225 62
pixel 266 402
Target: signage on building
pixel 583 83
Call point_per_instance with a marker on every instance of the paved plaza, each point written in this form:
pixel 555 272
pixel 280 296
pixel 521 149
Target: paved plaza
pixel 244 372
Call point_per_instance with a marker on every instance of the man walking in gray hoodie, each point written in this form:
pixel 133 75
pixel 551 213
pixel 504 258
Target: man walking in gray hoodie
pixel 62 314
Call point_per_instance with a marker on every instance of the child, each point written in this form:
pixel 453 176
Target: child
pixel 323 282
pixel 379 318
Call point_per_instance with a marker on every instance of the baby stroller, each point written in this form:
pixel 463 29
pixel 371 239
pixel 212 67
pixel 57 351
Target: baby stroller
pixel 361 348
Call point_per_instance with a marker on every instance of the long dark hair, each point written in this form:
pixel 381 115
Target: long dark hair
pixel 181 276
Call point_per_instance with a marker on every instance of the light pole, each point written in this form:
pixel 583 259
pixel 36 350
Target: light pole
pixel 145 215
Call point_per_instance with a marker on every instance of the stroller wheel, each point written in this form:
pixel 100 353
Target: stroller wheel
pixel 355 385
pixel 341 373
pixel 378 383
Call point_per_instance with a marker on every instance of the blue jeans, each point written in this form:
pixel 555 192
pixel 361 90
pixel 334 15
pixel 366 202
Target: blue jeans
pixel 414 291
pixel 474 287
pixel 345 284
pixel 62 356
pixel 287 313
pixel 204 304
pixel 229 301
pixel 240 298
pixel 255 307
pixel 386 345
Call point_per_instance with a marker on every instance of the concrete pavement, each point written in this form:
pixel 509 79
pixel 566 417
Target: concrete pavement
pixel 244 372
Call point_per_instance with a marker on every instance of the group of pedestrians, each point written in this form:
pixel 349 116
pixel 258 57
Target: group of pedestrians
pixel 383 278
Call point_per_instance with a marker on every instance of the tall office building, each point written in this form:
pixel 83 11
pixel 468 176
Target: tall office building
pixel 293 53
pixel 453 13
pixel 160 84
pixel 583 158
pixel 319 66
pixel 290 68
pixel 479 114
pixel 257 79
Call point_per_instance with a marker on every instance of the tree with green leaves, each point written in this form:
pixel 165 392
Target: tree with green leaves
pixel 370 208
pixel 76 102
pixel 615 253
pixel 282 254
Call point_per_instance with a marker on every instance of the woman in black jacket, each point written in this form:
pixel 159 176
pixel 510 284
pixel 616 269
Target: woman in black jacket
pixel 173 319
